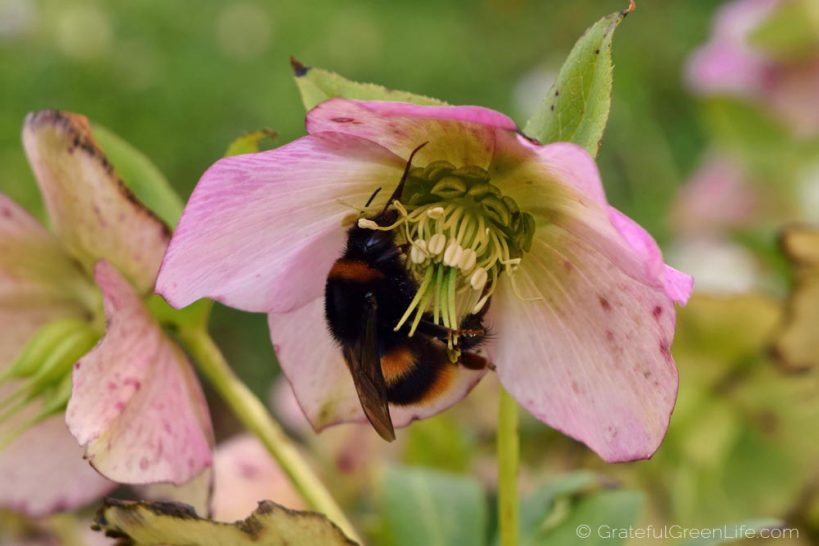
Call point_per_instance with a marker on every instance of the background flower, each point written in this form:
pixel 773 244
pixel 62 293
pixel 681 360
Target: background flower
pixel 128 405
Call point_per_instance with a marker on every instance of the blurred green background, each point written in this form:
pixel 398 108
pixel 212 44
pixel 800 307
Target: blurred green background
pixel 180 80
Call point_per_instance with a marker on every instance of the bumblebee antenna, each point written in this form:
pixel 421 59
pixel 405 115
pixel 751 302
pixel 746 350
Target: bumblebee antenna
pixel 400 188
pixel 370 200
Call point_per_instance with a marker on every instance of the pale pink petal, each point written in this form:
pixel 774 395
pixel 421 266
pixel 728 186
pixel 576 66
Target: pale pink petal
pixel 315 368
pixel 560 185
pixel 727 64
pixel 93 213
pixel 678 286
pixel 136 406
pixel 38 281
pixel 245 474
pixel 587 349
pixel 43 472
pixel 261 231
pixel 463 135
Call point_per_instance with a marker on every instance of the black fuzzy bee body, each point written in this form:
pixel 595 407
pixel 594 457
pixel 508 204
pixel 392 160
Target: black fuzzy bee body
pixel 368 290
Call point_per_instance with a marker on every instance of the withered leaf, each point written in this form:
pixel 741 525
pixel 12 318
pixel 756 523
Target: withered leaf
pixel 140 523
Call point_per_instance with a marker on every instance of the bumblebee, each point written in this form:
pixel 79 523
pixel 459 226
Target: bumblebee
pixel 367 291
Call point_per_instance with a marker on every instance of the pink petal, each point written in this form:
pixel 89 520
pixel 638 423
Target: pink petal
pixel 245 474
pixel 560 185
pixel 590 356
pixel 137 407
pixel 261 231
pixel 43 472
pixel 315 368
pixel 92 212
pixel 678 286
pixel 38 281
pixel 463 135
pixel 727 64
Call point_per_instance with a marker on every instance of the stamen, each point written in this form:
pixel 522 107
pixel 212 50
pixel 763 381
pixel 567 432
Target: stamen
pixel 366 223
pixel 436 244
pixel 453 253
pixel 435 213
pixel 478 279
pixel 418 252
pixel 468 260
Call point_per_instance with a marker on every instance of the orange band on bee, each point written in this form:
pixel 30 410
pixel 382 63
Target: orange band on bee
pixel 443 380
pixel 353 270
pixel 397 363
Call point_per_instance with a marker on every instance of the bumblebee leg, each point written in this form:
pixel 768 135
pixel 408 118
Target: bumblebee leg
pixel 473 361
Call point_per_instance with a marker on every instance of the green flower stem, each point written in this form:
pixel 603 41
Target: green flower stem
pixel 258 421
pixel 508 458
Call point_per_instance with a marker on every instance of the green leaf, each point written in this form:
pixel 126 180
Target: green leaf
pixel 431 508
pixel 576 108
pixel 250 142
pixel 734 531
pixel 600 515
pixel 140 175
pixel 791 32
pixel 317 85
pixel 176 524
pixel 554 513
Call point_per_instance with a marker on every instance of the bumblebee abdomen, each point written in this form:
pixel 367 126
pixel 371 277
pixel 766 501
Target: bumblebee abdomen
pixel 416 371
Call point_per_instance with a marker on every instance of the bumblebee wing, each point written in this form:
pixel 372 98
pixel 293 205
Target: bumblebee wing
pixel 365 367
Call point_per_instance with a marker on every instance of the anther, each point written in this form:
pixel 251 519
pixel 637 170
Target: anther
pixel 435 212
pixel 478 279
pixel 453 253
pixel 468 260
pixel 418 252
pixel 436 244
pixel 366 223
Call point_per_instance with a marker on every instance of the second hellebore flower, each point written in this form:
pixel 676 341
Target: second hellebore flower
pixel 135 406
pixel 581 305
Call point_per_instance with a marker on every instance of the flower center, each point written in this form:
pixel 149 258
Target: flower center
pixel 462 233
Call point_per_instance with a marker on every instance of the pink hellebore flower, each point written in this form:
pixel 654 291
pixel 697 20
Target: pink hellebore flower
pixel 582 308
pixel 136 407
pixel 729 64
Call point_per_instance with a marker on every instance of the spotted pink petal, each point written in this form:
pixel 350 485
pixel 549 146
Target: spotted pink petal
pixel 136 405
pixel 38 281
pixel 43 472
pixel 582 330
pixel 585 347
pixel 463 135
pixel 315 368
pixel 727 64
pixel 261 231
pixel 93 214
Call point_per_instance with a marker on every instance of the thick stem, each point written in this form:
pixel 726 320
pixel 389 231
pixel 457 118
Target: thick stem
pixel 259 422
pixel 508 457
